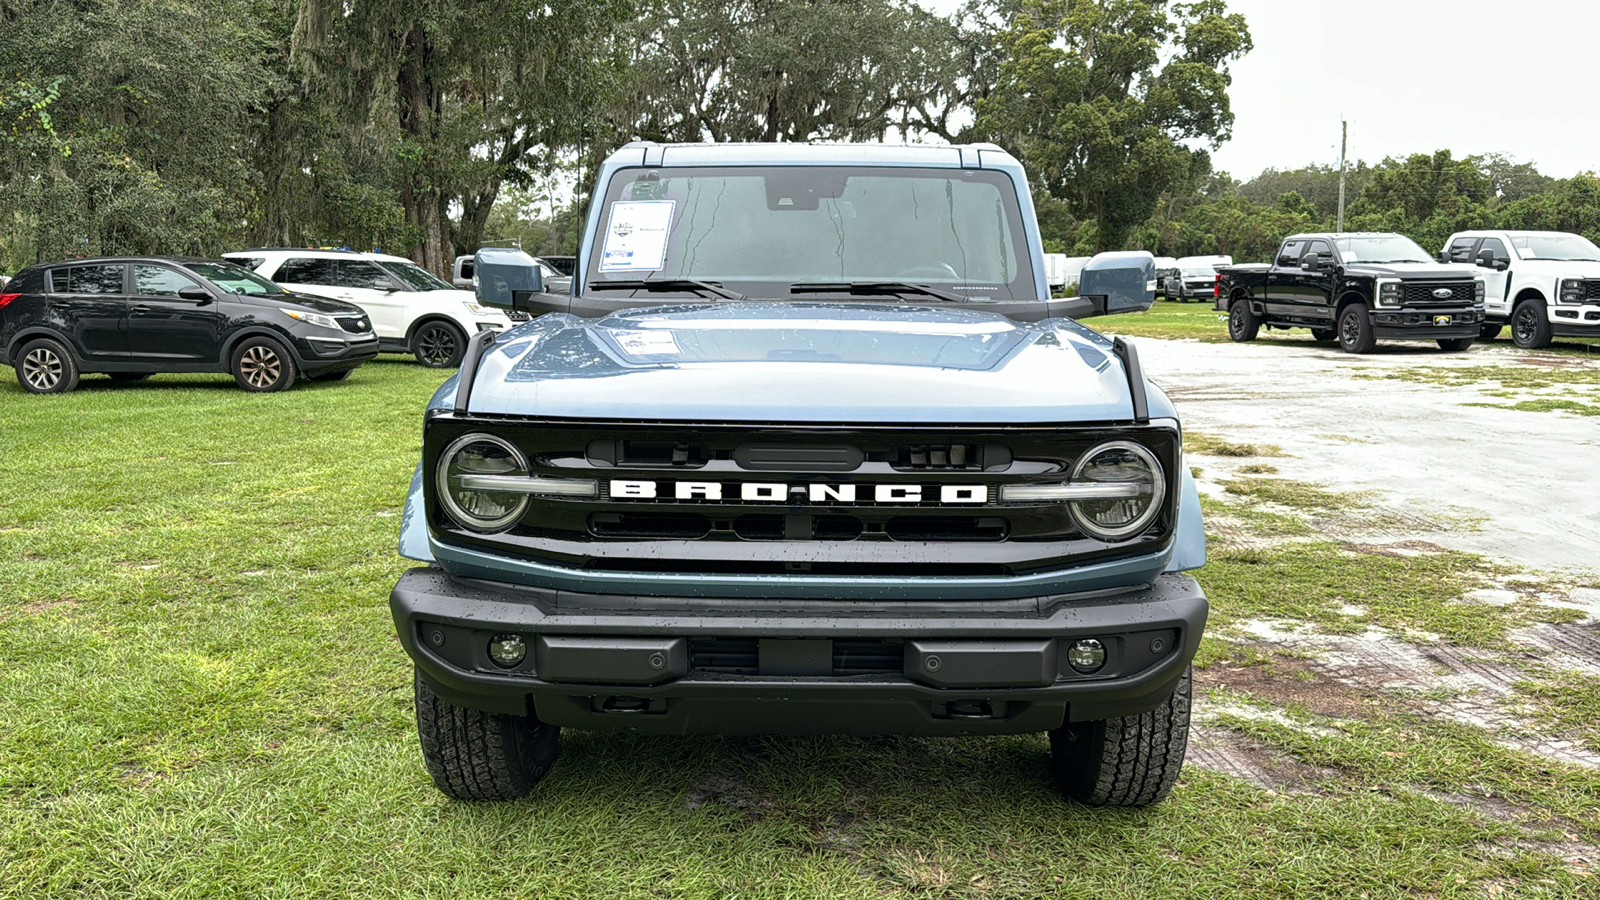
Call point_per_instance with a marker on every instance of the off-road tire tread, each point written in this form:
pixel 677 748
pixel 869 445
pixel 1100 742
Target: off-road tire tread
pixel 477 755
pixel 1249 324
pixel 1454 345
pixel 1127 761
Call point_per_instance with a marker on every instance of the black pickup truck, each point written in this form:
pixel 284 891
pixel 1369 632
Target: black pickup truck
pixel 1356 288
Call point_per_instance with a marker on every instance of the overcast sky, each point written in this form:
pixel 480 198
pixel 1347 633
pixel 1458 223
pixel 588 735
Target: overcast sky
pixel 1520 77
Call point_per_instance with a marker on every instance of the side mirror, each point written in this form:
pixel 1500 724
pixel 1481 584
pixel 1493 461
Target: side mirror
pixel 198 294
pixel 508 279
pixel 1502 264
pixel 1317 262
pixel 1113 283
pixel 1485 258
pixel 1442 256
pixel 390 286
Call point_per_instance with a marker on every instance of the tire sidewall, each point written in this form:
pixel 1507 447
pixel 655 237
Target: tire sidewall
pixel 286 371
pixel 1529 328
pixel 456 335
pixel 66 381
pixel 1354 330
pixel 1241 322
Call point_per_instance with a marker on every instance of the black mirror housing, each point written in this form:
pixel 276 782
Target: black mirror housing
pixel 197 294
pixel 1111 283
pixel 1500 265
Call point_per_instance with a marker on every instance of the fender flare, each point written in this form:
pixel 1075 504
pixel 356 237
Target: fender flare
pixel 38 331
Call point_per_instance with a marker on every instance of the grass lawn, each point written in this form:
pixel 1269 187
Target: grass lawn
pixel 201 696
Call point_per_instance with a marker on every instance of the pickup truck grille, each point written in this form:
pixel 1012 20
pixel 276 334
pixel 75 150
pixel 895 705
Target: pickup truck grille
pixel 1420 293
pixel 1591 290
pixel 822 500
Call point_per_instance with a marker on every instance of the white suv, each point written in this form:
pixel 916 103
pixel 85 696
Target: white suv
pixel 412 310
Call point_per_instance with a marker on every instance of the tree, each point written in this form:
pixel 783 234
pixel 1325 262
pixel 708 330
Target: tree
pixel 122 125
pixel 786 70
pixel 466 96
pixel 1102 100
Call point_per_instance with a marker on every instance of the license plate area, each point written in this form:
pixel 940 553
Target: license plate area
pixel 1441 320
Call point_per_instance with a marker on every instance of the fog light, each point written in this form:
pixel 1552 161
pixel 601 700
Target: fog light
pixel 1087 655
pixel 507 650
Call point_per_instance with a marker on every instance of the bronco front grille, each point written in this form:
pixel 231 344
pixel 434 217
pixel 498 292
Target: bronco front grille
pixel 1421 293
pixel 835 500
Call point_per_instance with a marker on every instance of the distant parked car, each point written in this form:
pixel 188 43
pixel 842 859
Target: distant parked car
pixel 554 281
pixel 413 311
pixel 1166 268
pixel 1545 284
pixel 1196 278
pixel 132 317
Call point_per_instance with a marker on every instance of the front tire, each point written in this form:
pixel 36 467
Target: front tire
pixel 1126 761
pixel 262 366
pixel 45 367
pixel 1243 325
pixel 1530 328
pixel 1355 330
pixel 477 755
pixel 1489 331
pixel 1454 345
pixel 439 345
pixel 1324 334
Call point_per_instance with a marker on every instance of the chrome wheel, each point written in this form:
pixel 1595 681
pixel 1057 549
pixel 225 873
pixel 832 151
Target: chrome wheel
pixel 260 366
pixel 42 369
pixel 436 346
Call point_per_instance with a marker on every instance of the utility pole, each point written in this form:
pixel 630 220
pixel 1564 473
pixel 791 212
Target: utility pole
pixel 1344 139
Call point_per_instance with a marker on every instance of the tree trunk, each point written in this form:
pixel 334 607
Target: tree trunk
pixel 423 201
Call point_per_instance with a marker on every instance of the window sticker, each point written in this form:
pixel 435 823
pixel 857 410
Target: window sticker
pixel 636 239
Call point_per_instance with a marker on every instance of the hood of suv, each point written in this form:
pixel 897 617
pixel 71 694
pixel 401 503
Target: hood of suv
pixel 804 362
pixel 314 304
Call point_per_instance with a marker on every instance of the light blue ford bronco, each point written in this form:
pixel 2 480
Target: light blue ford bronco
pixel 808 449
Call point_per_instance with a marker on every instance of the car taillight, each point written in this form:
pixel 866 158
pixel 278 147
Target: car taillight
pixel 1216 289
pixel 5 299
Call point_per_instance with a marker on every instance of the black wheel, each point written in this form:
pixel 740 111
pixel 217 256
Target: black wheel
pixel 1127 761
pixel 340 375
pixel 261 365
pixel 45 367
pixel 1490 331
pixel 476 755
pixel 1355 330
pixel 1243 325
pixel 129 376
pixel 1530 329
pixel 439 345
pixel 1454 345
pixel 1324 334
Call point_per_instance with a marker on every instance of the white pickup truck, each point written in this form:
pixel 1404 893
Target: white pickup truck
pixel 1546 284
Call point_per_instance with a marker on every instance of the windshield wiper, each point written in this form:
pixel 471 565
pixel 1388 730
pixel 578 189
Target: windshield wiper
pixel 874 288
pixel 667 284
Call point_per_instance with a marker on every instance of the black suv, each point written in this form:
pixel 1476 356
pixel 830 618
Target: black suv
pixel 132 317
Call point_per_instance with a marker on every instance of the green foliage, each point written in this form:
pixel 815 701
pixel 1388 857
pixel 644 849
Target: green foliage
pixel 1100 98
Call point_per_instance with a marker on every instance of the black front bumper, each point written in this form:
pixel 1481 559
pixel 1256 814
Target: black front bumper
pixel 684 665
pixel 1419 324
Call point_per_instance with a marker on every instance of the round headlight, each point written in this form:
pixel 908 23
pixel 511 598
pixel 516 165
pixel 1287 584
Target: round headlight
pixel 481 454
pixel 1119 462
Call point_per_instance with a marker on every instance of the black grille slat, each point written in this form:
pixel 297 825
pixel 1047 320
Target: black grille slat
pixel 742 656
pixel 355 324
pixel 1420 293
pixel 1591 289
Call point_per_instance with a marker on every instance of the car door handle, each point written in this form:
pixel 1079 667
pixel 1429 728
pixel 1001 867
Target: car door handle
pixel 141 308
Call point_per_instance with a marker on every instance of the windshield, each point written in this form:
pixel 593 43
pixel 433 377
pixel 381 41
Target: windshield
pixel 760 230
pixel 416 277
pixel 236 278
pixel 1555 246
pixel 1380 248
pixel 1198 272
